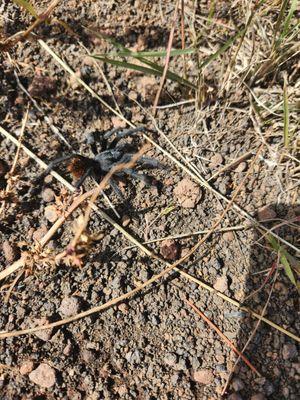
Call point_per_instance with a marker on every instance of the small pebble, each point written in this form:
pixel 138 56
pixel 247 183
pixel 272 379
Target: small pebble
pixel 43 376
pixel 73 394
pixel 266 213
pixel 69 306
pixel 241 167
pixel 234 314
pixel 118 122
pixel 174 379
pixel 48 179
pixel 88 356
pixel 289 351
pixel 170 250
pixel 216 160
pixel 204 376
pixel 228 236
pixel 48 195
pixel 40 232
pixel 170 359
pixel 235 396
pixel 123 308
pixel 51 213
pixel 133 357
pixel 125 220
pixel 221 284
pixel 188 193
pixel 26 367
pixel 11 251
pixel 73 81
pixel 44 334
pixel 42 86
pixel 68 348
pixel 237 384
pixel 258 396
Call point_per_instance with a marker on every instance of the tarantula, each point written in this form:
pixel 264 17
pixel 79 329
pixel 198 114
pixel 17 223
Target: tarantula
pixel 111 154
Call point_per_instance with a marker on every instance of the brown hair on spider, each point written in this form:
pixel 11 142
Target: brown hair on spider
pixel 77 167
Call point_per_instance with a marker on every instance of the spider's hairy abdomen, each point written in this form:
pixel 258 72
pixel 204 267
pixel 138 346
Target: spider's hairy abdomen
pixel 78 166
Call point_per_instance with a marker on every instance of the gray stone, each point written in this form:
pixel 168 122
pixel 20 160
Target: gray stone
pixel 170 359
pixel 237 384
pixel 69 306
pixel 289 351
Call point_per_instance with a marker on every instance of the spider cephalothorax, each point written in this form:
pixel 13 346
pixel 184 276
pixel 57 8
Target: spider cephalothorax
pixel 112 153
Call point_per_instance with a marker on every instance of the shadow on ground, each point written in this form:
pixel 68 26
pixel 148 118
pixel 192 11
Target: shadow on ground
pixel 272 353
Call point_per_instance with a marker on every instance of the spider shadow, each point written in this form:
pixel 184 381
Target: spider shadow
pixel 270 351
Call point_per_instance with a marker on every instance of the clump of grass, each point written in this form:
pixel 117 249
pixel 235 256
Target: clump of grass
pixel 285 258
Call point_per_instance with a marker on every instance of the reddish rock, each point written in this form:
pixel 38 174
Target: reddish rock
pixel 266 213
pixel 170 250
pixel 221 284
pixel 203 376
pixel 216 160
pixel 44 334
pixel 188 193
pixel 26 367
pixel 43 375
pixel 42 86
pixel 11 252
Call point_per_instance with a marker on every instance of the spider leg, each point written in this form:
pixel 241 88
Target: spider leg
pixel 149 162
pixel 121 134
pixel 56 162
pixel 83 178
pixel 34 189
pixel 91 141
pixel 115 188
pixel 140 177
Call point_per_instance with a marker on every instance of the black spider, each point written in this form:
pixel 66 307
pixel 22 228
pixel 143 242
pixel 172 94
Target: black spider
pixel 111 154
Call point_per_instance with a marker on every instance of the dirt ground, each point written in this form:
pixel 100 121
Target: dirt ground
pixel 228 138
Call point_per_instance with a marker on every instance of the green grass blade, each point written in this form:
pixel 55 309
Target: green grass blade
pixel 287 21
pixel 170 75
pixel 286 135
pixel 284 256
pixel 27 6
pixel 109 39
pixel 128 53
pixel 150 71
pixel 222 49
pixel 149 54
pixel 211 12
pixel 283 8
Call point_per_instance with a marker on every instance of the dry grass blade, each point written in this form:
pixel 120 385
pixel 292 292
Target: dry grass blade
pixel 12 170
pixel 183 36
pixel 13 40
pixel 188 234
pixel 12 285
pixel 285 114
pixel 167 60
pixel 223 337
